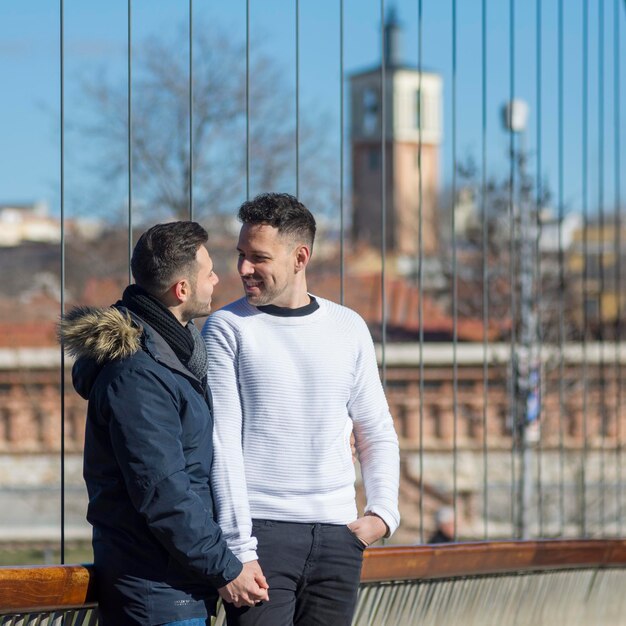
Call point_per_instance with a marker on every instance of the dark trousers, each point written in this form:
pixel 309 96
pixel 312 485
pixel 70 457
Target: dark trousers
pixel 313 571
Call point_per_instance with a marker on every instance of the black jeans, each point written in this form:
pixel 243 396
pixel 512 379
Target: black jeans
pixel 313 571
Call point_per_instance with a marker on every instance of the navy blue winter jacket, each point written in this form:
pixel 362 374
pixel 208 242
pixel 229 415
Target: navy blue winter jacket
pixel 158 552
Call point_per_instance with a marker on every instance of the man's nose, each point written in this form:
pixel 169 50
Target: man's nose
pixel 245 267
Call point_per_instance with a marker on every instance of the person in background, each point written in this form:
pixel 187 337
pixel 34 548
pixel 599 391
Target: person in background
pixel 159 555
pixel 293 376
pixel 444 532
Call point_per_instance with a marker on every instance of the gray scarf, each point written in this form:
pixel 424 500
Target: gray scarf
pixel 197 363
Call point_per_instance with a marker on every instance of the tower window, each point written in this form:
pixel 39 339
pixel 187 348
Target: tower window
pixel 370 111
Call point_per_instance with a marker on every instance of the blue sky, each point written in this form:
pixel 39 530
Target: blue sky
pixel 95 40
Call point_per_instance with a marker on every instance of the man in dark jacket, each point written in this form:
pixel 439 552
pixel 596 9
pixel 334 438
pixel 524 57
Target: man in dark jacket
pixel 159 555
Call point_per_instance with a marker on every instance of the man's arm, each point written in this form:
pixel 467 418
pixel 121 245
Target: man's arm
pixel 376 443
pixel 228 477
pixel 146 439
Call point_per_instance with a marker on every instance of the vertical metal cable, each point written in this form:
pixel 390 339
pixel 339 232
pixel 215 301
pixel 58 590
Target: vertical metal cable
pixel 62 205
pixel 342 235
pixel 537 279
pixel 618 264
pixel 561 265
pixel 485 271
pixel 191 109
pixel 383 193
pixel 129 133
pixel 601 364
pixel 247 99
pixel 585 82
pixel 512 276
pixel 297 98
pixel 455 369
pixel 420 262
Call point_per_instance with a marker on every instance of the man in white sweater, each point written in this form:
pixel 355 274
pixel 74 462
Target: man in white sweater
pixel 293 376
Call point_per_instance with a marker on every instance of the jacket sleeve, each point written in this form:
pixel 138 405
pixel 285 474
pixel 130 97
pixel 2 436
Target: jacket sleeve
pixel 228 477
pixel 146 435
pixel 376 439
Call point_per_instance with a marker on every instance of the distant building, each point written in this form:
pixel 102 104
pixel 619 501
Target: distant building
pixel 412 115
pixel 24 222
pixel 21 222
pixel 596 265
pixel 554 236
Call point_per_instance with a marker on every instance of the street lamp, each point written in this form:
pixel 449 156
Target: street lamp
pixel 526 366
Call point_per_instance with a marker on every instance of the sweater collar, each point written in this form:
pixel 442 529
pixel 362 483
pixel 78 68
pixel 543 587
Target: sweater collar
pixel 283 311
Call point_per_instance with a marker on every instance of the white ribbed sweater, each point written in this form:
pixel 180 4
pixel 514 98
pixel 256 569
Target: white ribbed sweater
pixel 287 393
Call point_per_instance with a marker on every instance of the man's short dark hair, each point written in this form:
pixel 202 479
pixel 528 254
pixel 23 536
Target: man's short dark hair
pixel 166 252
pixel 282 211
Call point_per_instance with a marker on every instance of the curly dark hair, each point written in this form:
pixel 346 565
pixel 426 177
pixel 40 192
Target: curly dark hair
pixel 165 252
pixel 282 211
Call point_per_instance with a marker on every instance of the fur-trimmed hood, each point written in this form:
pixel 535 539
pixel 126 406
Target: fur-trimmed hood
pixel 100 334
pixel 97 337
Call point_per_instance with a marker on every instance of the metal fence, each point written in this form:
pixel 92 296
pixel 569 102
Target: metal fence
pixel 494 274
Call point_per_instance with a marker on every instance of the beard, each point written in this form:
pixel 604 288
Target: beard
pixel 196 308
pixel 263 295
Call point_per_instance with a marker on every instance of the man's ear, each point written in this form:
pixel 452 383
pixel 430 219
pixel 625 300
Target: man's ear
pixel 303 254
pixel 181 290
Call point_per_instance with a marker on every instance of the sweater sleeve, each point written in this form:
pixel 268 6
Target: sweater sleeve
pixel 146 441
pixel 228 476
pixel 376 439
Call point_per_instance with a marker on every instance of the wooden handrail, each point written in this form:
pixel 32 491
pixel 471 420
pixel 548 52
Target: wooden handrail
pixel 43 588
pixel 495 557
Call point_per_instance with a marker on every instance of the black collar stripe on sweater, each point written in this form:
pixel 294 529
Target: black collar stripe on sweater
pixel 283 311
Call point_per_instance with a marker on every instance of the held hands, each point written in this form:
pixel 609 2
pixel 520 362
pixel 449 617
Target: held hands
pixel 369 528
pixel 248 589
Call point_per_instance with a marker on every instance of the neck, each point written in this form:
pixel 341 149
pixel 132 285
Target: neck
pixel 296 301
pixel 174 306
pixel 177 313
pixel 295 298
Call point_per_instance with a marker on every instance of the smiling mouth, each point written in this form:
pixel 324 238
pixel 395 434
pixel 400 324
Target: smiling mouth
pixel 252 285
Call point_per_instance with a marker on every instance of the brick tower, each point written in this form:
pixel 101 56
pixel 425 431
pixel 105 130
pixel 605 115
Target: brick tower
pixel 411 101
